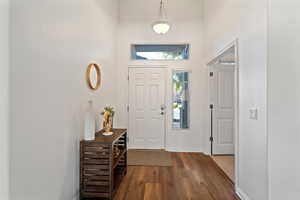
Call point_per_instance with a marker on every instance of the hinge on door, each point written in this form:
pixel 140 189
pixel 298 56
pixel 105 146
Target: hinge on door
pixel 128 77
pixel 211 139
pixel 127 108
pixel 211 106
pixel 211 74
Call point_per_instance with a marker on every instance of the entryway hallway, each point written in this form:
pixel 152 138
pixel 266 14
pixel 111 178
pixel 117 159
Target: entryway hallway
pixel 193 176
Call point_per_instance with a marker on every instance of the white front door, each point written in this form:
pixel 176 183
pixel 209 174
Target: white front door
pixel 222 99
pixel 147 108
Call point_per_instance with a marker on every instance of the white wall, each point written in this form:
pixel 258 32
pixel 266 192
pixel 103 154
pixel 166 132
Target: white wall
pixel 136 17
pixel 52 42
pixel 284 99
pixel 4 99
pixel 225 21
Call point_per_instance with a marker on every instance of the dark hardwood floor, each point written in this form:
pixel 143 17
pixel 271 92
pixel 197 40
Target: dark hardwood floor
pixel 193 176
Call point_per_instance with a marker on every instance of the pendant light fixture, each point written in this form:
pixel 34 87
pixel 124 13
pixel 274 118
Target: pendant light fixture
pixel 161 26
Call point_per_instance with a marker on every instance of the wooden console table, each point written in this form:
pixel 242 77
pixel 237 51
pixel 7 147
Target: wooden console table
pixel 103 164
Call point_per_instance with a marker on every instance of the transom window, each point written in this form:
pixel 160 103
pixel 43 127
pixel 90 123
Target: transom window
pixel 160 51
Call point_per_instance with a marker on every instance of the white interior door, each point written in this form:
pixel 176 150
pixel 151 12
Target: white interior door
pixel 222 98
pixel 146 108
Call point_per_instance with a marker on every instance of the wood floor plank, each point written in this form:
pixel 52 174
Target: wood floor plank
pixel 193 176
pixel 227 164
pixel 153 191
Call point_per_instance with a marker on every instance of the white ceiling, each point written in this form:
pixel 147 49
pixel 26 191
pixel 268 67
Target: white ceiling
pixel 148 9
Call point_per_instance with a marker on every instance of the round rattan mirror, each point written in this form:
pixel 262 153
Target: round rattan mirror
pixel 93 76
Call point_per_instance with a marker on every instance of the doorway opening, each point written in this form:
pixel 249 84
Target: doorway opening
pixel 223 109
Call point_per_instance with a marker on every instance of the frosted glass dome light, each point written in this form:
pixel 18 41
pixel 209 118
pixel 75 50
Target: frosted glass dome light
pixel 161 27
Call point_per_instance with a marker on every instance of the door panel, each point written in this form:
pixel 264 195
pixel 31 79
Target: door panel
pixel 225 88
pixel 222 97
pixel 146 96
pixel 225 130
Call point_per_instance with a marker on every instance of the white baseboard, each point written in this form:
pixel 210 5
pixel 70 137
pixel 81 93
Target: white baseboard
pixel 242 195
pixel 189 150
pixel 184 150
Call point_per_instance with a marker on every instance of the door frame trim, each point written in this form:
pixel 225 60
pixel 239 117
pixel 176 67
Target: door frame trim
pixel 165 96
pixel 234 44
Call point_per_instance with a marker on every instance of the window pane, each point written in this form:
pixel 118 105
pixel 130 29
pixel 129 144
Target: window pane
pixel 160 52
pixel 181 100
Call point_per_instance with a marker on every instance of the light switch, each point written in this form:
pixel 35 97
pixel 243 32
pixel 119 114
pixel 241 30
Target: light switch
pixel 253 113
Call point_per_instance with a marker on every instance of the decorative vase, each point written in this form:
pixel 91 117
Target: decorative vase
pixel 89 123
